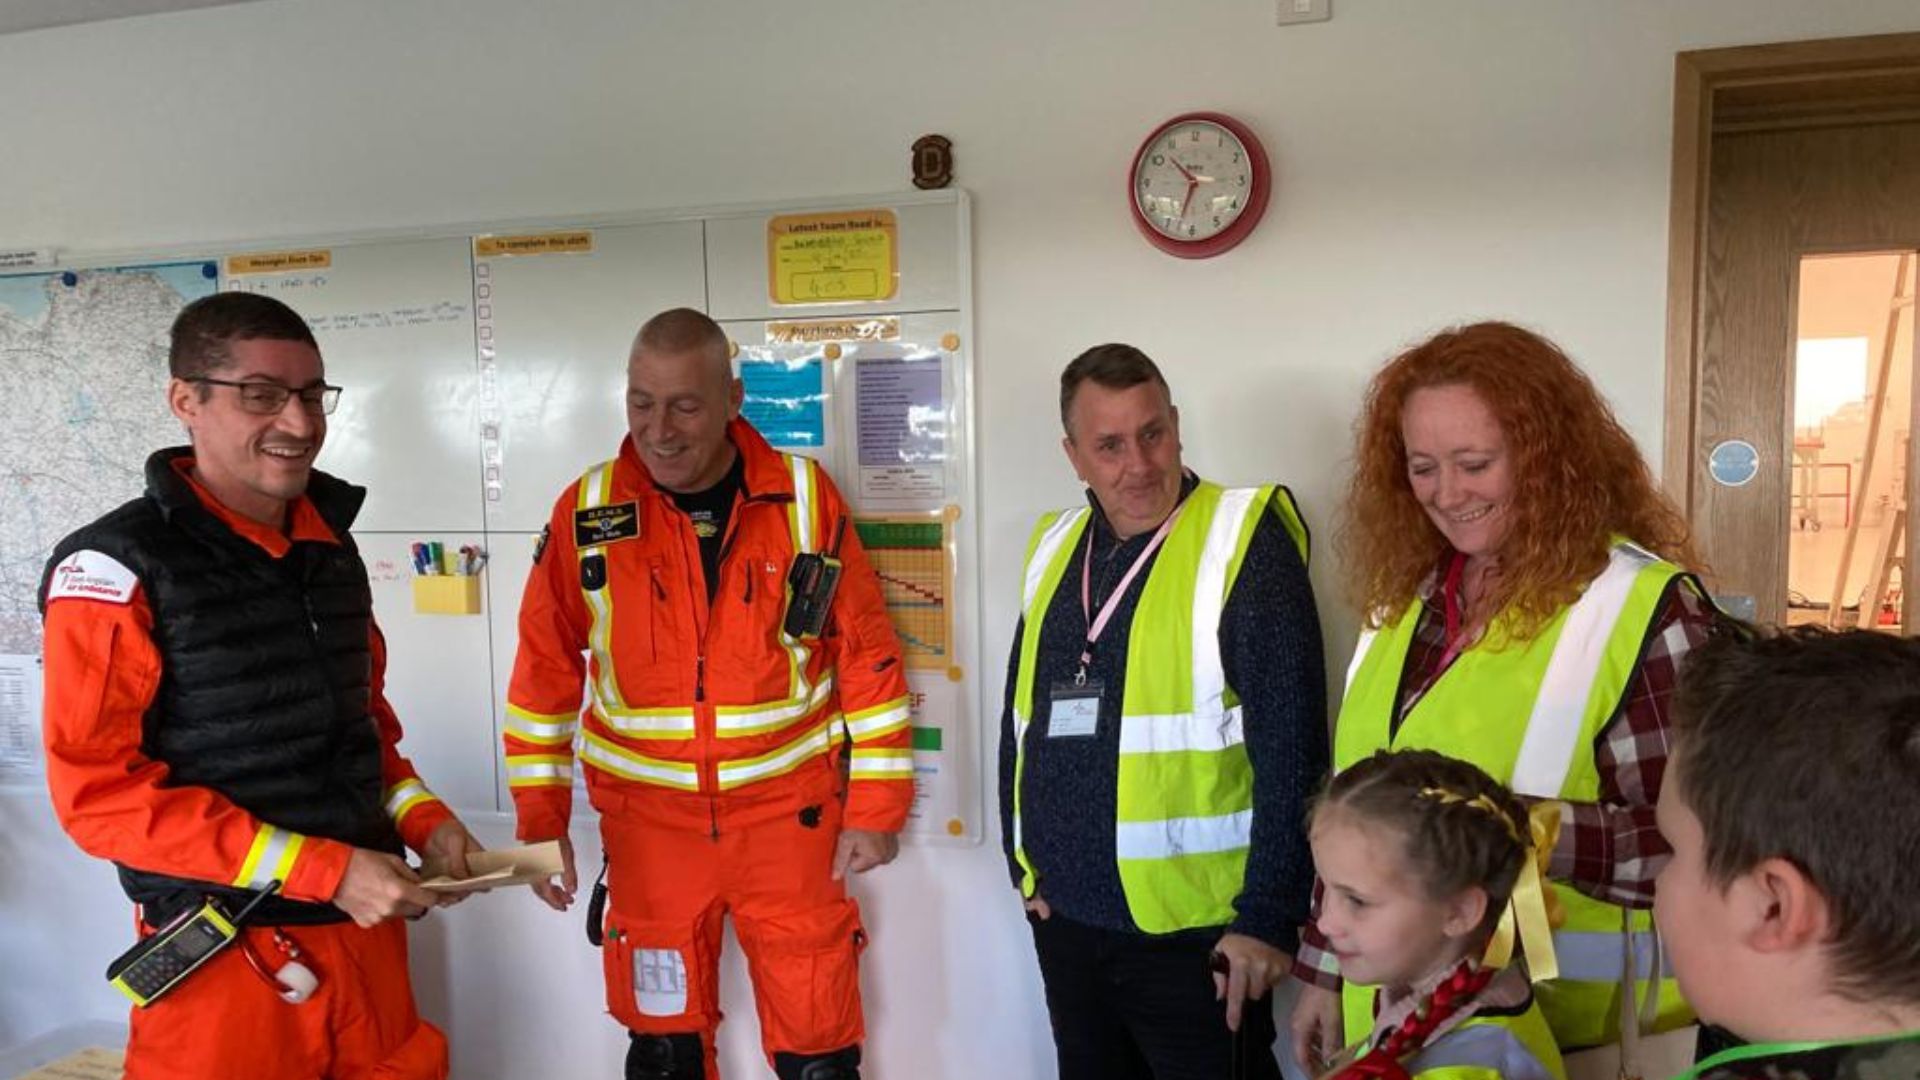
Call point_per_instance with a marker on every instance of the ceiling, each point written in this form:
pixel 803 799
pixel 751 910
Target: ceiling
pixel 19 15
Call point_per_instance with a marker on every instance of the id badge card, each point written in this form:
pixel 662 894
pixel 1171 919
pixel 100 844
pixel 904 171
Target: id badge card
pixel 1076 710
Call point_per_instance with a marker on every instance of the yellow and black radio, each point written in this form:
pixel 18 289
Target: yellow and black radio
pixel 171 953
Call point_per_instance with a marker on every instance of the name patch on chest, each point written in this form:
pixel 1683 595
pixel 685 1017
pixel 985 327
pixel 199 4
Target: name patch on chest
pixel 606 524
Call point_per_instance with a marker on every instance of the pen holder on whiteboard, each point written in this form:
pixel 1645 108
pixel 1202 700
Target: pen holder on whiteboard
pixel 446 594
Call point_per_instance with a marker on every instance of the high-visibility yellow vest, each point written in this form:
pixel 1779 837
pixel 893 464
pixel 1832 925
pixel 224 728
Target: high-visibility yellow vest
pixel 1528 713
pixel 1185 798
pixel 1518 1047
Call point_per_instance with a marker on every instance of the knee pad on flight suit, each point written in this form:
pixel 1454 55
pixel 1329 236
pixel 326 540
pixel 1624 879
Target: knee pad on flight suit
pixel 842 1064
pixel 665 1057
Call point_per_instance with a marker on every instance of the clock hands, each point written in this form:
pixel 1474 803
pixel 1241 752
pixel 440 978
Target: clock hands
pixel 1194 180
pixel 1192 183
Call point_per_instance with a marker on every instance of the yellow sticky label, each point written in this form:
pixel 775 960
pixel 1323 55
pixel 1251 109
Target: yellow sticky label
pixel 274 262
pixel 550 243
pixel 832 258
pixel 814 331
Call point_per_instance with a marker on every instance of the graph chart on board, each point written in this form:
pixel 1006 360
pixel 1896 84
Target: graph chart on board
pixel 911 555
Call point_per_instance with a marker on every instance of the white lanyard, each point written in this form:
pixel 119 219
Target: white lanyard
pixel 1096 625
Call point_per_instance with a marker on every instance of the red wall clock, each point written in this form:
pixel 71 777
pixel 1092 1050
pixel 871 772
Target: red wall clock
pixel 1199 185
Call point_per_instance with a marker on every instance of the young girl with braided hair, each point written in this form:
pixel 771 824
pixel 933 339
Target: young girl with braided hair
pixel 1420 854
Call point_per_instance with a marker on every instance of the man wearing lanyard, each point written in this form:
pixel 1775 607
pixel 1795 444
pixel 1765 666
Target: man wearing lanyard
pixel 1165 723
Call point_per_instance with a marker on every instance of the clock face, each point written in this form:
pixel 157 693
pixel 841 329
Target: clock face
pixel 1199 185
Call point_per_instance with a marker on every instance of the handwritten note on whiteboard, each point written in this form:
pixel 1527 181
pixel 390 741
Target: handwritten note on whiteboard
pixel 832 258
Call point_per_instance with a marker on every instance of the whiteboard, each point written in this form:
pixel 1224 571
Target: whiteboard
pixel 562 325
pixel 395 329
pixel 484 369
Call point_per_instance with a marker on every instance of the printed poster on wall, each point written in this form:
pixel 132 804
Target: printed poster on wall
pixel 901 429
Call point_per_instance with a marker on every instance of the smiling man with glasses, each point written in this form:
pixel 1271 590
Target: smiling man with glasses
pixel 216 726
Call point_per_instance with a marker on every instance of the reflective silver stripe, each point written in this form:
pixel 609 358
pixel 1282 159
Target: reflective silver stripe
pixel 665 723
pixel 885 720
pixel 1210 597
pixel 270 858
pixel 628 765
pixel 1019 741
pixel 1599 955
pixel 1184 731
pixel 882 763
pixel 803 500
pixel 748 720
pixel 596 489
pixel 1359 655
pixel 1184 836
pixel 812 744
pixel 538 770
pixel 1556 724
pixel 1481 1046
pixel 1047 550
pixel 404 794
pixel 539 728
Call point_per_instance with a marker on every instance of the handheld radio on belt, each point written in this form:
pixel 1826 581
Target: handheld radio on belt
pixel 171 953
pixel 813 578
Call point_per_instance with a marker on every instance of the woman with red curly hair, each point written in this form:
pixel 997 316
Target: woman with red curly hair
pixel 1526 600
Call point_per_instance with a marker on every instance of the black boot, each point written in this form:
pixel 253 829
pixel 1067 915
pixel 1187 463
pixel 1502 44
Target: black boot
pixel 665 1057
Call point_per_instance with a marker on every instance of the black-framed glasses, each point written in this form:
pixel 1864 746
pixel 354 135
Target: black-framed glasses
pixel 268 398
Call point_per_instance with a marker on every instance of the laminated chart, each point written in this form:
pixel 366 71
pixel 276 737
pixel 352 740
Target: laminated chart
pixel 913 558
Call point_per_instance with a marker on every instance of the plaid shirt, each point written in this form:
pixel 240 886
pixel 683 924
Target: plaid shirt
pixel 1611 849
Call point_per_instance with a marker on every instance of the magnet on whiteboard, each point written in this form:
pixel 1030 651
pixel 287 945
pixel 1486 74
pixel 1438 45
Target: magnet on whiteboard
pixel 950 342
pixel 832 351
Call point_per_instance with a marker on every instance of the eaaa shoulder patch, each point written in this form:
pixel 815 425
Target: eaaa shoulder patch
pixel 92 575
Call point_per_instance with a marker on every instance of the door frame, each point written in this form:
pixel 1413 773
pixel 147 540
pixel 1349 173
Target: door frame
pixel 1698 75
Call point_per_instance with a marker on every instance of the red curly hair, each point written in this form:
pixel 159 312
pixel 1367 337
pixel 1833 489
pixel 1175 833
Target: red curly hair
pixel 1578 480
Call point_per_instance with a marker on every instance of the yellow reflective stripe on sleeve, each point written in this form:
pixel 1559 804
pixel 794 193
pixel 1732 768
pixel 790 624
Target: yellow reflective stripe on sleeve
pixel 734 721
pixel 539 770
pixel 546 729
pixel 882 764
pixel 878 721
pixel 603 754
pixel 405 795
pixel 782 760
pixel 270 858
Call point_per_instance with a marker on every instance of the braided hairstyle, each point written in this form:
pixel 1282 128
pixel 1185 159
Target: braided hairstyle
pixel 1459 828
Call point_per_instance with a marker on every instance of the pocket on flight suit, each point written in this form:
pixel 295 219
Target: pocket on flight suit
pixel 654 975
pixel 422 1057
pixel 806 976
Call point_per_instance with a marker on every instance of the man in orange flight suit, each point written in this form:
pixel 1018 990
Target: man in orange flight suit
pixel 215 723
pixel 715 743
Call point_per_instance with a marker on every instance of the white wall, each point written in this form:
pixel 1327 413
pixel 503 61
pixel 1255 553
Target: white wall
pixel 1436 162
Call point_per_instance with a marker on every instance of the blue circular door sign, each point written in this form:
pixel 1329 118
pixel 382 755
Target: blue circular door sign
pixel 1733 463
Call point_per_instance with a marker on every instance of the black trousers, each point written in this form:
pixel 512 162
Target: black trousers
pixel 1140 1007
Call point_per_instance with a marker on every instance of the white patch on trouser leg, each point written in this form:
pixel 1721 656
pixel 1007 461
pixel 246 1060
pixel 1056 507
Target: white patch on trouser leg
pixel 659 982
